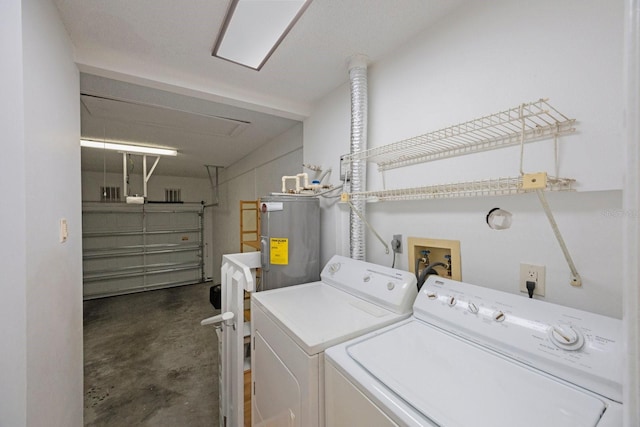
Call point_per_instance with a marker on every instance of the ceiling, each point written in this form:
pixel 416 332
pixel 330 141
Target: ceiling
pixel 148 76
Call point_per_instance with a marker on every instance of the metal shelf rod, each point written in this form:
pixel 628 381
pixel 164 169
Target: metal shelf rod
pixel 490 132
pixel 488 187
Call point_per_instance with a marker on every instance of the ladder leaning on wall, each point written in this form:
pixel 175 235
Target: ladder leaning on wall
pixel 249 225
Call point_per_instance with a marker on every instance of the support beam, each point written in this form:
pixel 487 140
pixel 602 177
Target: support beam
pixel 125 177
pixel 147 175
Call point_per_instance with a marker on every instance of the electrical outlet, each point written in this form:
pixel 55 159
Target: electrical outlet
pixel 532 273
pixel 344 169
pixel 396 243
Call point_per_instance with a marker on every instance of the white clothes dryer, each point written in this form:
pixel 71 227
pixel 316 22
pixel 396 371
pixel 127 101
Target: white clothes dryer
pixel 473 356
pixel 291 327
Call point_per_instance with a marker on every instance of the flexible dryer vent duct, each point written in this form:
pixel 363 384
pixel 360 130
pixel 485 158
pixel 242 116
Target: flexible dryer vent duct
pixel 358 79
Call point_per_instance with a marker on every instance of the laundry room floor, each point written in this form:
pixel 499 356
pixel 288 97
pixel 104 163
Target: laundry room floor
pixel 147 360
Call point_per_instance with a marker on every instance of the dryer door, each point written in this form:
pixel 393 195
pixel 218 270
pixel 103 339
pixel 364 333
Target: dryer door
pixel 273 406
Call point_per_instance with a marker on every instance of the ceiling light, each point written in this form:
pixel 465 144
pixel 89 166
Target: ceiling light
pixel 125 148
pixel 253 29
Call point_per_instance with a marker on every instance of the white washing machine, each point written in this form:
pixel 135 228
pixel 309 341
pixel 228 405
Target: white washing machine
pixel 472 356
pixel 291 327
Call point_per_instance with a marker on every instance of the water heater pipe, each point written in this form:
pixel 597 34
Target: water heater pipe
pixel 299 185
pixel 359 101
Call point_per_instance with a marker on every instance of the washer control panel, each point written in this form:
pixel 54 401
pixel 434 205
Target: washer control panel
pixel 393 289
pixel 581 347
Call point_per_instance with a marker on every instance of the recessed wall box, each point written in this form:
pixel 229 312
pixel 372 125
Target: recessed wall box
pixel 427 251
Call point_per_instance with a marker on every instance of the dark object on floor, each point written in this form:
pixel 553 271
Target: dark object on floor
pixel 215 296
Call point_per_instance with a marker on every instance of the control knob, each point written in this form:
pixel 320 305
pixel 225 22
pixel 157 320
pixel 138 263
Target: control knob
pixel 498 316
pixel 451 301
pixel 432 295
pixel 473 308
pixel 566 337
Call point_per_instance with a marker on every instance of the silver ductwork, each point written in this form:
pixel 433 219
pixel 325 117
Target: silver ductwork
pixel 359 100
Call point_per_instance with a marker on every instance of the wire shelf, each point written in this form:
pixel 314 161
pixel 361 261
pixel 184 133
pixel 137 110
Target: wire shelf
pixel 497 130
pixel 488 187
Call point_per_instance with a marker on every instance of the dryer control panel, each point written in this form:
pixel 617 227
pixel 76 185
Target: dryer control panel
pixel 390 288
pixel 580 347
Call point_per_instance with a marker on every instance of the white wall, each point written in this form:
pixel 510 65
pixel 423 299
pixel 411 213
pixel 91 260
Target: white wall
pixel 256 175
pixel 13 259
pixel 41 306
pixel 496 54
pixel 486 57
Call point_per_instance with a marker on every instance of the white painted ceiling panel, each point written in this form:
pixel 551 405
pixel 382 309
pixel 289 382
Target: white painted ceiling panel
pixel 163 117
pixel 153 59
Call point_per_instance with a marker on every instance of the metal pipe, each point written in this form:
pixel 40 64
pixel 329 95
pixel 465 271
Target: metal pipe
pixel 144 176
pixel 359 101
pixel 202 254
pixel 214 187
pixel 124 175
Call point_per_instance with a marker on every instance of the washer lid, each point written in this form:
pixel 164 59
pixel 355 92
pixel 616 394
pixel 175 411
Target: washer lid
pixel 454 383
pixel 317 316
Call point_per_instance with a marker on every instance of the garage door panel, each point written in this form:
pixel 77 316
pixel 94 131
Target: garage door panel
pixel 131 248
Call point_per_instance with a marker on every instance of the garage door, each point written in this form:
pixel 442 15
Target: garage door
pixel 132 248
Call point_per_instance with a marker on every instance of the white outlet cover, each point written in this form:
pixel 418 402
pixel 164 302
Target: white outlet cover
pixel 64 230
pixel 539 270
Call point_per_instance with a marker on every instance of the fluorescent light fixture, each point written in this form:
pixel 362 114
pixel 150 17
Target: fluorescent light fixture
pixel 126 148
pixel 253 29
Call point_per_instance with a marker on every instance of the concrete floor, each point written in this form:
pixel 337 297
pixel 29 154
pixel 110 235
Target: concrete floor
pixel 147 360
